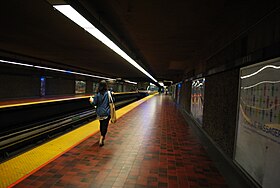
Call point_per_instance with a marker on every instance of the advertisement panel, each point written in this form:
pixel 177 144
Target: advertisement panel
pixel 43 86
pixel 80 87
pixel 257 148
pixel 94 87
pixel 197 98
pixel 178 89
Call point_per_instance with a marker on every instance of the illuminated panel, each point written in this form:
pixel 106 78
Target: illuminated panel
pixel 73 15
pixel 257 148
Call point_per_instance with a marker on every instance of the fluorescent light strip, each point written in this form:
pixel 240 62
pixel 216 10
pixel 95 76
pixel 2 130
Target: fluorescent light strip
pixel 53 69
pixel 195 83
pixel 73 15
pixel 15 63
pixel 265 67
pixel 89 75
pixel 200 84
pixel 47 68
pixel 131 82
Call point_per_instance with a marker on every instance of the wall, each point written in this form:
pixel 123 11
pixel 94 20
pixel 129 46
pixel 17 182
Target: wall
pixel 257 43
pixel 18 83
pixel 188 95
pixel 25 82
pixel 220 108
pixel 183 92
pixel 89 87
pixel 59 86
pixel 23 86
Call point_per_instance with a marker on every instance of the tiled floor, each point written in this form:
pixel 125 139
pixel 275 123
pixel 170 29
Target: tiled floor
pixel 151 146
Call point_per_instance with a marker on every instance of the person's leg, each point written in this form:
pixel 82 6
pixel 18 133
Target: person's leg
pixel 102 132
pixel 103 129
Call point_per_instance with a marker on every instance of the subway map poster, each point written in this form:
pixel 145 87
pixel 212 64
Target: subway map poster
pixel 257 149
pixel 197 99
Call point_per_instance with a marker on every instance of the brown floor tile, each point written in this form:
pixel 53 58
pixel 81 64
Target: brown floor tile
pixel 151 146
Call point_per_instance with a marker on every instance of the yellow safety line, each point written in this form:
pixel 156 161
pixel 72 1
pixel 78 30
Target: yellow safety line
pixel 43 101
pixel 52 100
pixel 20 167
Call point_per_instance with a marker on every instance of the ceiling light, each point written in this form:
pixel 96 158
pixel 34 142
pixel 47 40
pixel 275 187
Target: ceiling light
pixel 73 15
pixel 53 69
pixel 161 84
pixel 135 83
pixel 15 63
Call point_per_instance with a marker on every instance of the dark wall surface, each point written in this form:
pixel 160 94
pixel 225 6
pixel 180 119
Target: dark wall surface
pixel 60 86
pixel 220 108
pixel 185 96
pixel 19 86
pixel 89 87
pixel 17 82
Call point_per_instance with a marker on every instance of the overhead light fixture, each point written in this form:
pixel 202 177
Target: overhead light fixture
pixel 16 63
pixel 73 15
pixel 135 83
pixel 53 69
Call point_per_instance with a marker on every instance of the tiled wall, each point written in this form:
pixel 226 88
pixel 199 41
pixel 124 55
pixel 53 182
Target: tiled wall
pixel 220 108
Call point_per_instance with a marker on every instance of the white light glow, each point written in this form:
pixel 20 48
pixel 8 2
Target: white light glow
pixel 47 68
pixel 94 76
pixel 161 84
pixel 194 83
pixel 15 63
pixel 53 69
pixel 73 15
pixel 135 83
pixel 200 84
pixel 263 82
pixel 261 69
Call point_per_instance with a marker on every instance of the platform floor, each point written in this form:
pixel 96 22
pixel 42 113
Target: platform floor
pixel 150 146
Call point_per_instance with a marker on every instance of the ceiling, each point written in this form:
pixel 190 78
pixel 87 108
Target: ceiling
pixel 167 38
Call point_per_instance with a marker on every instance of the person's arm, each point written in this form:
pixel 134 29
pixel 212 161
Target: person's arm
pixel 93 100
pixel 110 93
pixel 113 97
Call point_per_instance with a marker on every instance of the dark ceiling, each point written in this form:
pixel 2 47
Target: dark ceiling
pixel 168 38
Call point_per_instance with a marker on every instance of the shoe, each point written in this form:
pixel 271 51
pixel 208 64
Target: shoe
pixel 101 144
pixel 101 141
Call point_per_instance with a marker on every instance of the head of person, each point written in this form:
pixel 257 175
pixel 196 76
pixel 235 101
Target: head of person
pixel 102 87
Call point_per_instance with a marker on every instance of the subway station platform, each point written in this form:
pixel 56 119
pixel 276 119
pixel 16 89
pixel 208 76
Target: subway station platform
pixel 151 145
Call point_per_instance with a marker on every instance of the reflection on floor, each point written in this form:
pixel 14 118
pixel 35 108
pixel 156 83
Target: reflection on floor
pixel 151 146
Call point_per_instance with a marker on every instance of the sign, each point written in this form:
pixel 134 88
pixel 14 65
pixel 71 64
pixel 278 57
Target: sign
pixel 257 148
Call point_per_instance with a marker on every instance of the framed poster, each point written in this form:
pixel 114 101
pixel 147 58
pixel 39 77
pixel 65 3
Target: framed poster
pixel 43 86
pixel 257 146
pixel 94 87
pixel 80 87
pixel 178 90
pixel 197 99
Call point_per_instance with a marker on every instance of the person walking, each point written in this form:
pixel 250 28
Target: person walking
pixel 101 101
